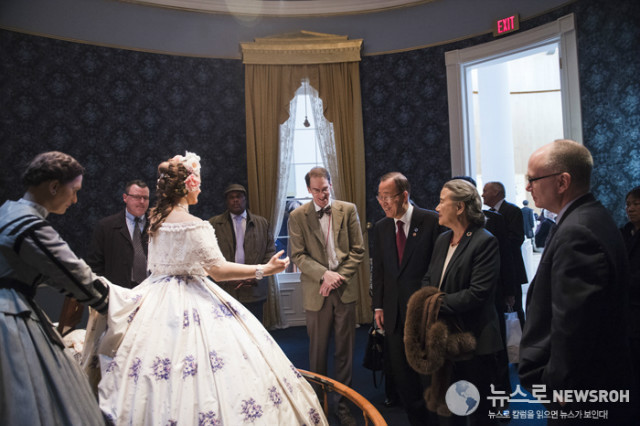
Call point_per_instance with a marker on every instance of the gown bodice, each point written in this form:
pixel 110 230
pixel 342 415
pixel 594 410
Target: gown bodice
pixel 186 248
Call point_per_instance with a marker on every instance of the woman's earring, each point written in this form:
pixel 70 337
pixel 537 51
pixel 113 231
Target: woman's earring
pixel 53 192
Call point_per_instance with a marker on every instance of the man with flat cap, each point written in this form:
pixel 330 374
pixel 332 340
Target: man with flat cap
pixel 244 237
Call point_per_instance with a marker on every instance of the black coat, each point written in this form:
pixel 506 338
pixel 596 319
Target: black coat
pixel 498 227
pixel 469 284
pixel 632 243
pixel 111 250
pixel 394 284
pixel 575 336
pixel 515 234
pixel 528 221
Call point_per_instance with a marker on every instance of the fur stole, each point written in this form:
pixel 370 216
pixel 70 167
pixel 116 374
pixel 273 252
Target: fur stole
pixel 432 345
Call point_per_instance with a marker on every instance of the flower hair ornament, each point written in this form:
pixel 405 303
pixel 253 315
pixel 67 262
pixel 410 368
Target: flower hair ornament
pixel 191 162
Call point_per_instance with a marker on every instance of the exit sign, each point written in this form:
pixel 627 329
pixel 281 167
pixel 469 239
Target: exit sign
pixel 506 25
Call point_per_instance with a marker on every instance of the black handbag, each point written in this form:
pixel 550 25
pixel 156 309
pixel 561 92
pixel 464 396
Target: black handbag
pixel 373 358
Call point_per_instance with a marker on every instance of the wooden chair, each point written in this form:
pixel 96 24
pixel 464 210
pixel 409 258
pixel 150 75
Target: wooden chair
pixel 370 414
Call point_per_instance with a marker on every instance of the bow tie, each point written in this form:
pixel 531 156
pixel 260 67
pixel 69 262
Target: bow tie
pixel 322 212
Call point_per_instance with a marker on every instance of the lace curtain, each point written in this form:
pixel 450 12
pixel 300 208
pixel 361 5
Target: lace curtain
pixel 324 134
pixel 284 166
pixel 324 138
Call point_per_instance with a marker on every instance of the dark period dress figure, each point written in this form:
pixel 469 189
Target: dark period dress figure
pixel 41 382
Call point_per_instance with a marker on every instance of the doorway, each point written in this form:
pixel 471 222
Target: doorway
pixel 515 108
pixel 558 35
pixel 507 98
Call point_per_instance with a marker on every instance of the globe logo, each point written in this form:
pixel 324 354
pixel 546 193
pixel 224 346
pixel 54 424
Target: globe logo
pixel 462 398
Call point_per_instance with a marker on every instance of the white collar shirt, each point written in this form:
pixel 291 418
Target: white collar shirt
pixel 325 225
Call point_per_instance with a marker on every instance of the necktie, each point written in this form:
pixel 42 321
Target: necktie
pixel 401 240
pixel 139 270
pixel 239 239
pixel 322 212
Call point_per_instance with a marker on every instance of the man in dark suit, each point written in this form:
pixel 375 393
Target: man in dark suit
pixel 528 219
pixel 497 225
pixel 505 290
pixel 575 337
pixel 326 244
pixel 631 236
pixel 403 242
pixel 547 220
pixel 493 195
pixel 118 248
pixel 256 246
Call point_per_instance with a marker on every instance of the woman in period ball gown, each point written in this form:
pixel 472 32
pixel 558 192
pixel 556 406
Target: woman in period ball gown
pixel 177 349
pixel 41 384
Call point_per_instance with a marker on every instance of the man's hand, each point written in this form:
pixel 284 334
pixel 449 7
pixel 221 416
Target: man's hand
pixel 325 290
pixel 379 317
pixel 333 279
pixel 330 281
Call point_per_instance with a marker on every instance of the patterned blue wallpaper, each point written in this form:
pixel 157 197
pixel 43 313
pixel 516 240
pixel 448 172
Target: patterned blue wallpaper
pixel 406 127
pixel 122 112
pixel 405 108
pixel 609 55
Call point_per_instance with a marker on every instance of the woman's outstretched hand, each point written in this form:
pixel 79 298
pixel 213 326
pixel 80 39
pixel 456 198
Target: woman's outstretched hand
pixel 276 265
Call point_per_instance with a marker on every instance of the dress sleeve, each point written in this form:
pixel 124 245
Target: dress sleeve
pixel 206 250
pixel 41 247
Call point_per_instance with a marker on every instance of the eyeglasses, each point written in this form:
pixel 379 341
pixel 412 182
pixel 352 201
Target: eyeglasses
pixel 319 191
pixel 138 197
pixel 387 198
pixel 531 180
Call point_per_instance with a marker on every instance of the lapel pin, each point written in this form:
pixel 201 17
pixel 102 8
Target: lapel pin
pixel 469 234
pixel 414 234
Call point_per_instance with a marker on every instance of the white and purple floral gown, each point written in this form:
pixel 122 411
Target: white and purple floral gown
pixel 178 350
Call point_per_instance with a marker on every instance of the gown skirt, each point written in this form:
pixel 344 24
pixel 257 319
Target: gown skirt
pixel 41 383
pixel 179 350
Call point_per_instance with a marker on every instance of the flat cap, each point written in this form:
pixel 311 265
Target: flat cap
pixel 235 187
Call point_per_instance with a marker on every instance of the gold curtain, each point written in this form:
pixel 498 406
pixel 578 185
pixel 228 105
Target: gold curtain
pixel 339 88
pixel 274 68
pixel 267 95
